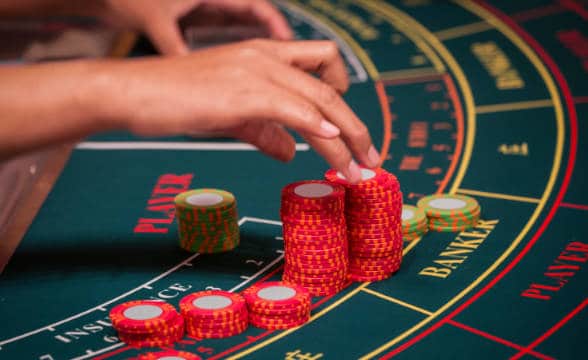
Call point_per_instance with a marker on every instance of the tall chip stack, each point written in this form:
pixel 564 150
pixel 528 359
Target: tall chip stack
pixel 214 314
pixel 147 323
pixel 207 221
pixel 373 210
pixel 315 238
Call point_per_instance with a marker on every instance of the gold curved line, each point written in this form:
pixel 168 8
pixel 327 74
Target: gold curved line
pixel 369 65
pixel 552 88
pixel 395 16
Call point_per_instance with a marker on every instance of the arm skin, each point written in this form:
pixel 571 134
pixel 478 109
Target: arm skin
pixel 249 90
pixel 48 104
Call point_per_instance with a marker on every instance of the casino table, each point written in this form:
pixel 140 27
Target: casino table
pixel 486 99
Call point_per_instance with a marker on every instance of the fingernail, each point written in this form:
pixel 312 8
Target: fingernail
pixel 373 157
pixel 354 172
pixel 329 129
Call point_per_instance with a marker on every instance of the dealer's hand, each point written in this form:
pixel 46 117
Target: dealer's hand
pixel 249 90
pixel 159 18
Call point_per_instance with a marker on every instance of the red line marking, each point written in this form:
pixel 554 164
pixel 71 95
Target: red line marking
pixel 551 331
pixel 497 339
pixel 575 7
pixel 249 341
pixel 456 105
pixel 387 121
pixel 562 190
pixel 112 353
pixel 581 99
pixel 574 206
pixel 460 131
pixel 538 12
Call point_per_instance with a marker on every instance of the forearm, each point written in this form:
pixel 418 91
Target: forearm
pixel 14 8
pixel 53 103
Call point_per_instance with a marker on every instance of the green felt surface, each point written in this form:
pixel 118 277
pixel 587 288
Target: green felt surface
pixel 83 254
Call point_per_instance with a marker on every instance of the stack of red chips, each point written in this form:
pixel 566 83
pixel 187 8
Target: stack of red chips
pixel 315 238
pixel 169 355
pixel 147 323
pixel 373 209
pixel 214 314
pixel 277 305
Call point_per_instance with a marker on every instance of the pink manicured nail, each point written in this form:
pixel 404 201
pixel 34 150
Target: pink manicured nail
pixel 329 129
pixel 354 172
pixel 373 157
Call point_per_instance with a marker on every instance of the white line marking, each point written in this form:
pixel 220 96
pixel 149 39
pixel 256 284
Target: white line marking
pixel 163 145
pixel 302 15
pixel 267 267
pixel 98 352
pixel 155 279
pixel 102 307
pixel 263 221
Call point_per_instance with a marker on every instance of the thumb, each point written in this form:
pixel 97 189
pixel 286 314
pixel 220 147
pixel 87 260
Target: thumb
pixel 166 36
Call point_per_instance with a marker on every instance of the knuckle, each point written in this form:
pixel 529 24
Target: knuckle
pixel 360 133
pixel 328 95
pixel 308 113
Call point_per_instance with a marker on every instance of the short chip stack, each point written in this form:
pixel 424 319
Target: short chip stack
pixel 214 314
pixel 169 355
pixel 146 323
pixel 277 305
pixel 315 238
pixel 207 220
pixel 373 213
pixel 450 213
pixel 414 222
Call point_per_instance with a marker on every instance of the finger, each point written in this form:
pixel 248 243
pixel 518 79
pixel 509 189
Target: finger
pixel 270 138
pixel 335 152
pixel 319 57
pixel 277 104
pixel 263 11
pixel 331 105
pixel 165 35
pixel 275 22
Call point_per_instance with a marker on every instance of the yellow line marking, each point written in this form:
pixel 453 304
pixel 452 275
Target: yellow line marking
pixel 412 244
pixel 406 250
pixel 499 196
pixel 397 17
pixel 521 105
pixel 397 301
pixel 409 33
pixel 369 65
pixel 463 30
pixel 289 331
pixel 408 73
pixel 552 88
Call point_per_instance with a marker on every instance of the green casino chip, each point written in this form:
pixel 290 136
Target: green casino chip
pixel 207 220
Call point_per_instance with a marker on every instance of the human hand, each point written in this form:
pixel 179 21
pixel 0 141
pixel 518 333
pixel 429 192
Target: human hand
pixel 159 18
pixel 251 91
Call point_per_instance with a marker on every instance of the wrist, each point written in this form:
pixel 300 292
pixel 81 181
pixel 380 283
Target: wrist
pixel 101 98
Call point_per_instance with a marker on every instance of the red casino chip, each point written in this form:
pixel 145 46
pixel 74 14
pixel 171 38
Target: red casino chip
pixel 143 316
pixel 276 295
pixel 277 305
pixel 373 209
pixel 169 355
pixel 214 314
pixel 315 234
